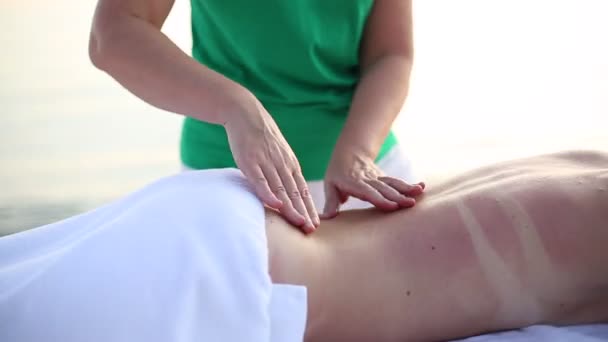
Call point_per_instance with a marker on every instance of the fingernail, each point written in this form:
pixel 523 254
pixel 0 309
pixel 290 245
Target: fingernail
pixel 410 203
pixel 310 224
pixel 405 200
pixel 310 229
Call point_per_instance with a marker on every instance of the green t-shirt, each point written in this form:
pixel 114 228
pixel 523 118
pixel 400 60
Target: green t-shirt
pixel 298 57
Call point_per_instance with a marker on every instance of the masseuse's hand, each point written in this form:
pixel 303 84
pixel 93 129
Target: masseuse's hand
pixel 266 159
pixel 355 174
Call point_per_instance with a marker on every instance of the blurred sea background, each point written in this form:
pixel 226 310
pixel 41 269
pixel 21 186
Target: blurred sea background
pixel 493 80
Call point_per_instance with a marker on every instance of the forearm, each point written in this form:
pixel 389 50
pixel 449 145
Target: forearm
pixel 378 100
pixel 147 63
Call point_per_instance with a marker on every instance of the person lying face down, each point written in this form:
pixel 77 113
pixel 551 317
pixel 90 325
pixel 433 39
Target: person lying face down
pixel 500 247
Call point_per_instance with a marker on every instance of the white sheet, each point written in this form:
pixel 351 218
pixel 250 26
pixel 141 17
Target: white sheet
pixel 185 259
pixel 544 333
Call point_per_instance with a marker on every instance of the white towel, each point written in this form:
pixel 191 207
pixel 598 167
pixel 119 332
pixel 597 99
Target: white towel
pixel 184 259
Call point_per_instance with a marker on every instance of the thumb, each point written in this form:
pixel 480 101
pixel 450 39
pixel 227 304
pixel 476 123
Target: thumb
pixel 332 203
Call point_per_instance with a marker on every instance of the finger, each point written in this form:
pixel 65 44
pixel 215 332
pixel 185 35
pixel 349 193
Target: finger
pixel 367 193
pixel 391 194
pixel 287 210
pixel 308 202
pixel 262 189
pixel 403 187
pixel 296 198
pixel 422 185
pixel 332 203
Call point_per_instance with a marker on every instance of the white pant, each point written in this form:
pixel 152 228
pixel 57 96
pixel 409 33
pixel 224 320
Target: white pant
pixel 395 164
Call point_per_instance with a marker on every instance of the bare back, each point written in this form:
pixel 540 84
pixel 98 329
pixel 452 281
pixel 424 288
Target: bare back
pixel 506 246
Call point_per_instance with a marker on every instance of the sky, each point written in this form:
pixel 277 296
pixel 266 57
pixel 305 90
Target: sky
pixel 492 80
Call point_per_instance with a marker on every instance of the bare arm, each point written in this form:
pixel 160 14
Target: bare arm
pixel 386 58
pixel 127 43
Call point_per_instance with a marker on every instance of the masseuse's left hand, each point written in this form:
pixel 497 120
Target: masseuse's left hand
pixel 355 174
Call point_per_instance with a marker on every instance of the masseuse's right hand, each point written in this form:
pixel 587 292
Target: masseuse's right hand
pixel 181 85
pixel 266 159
